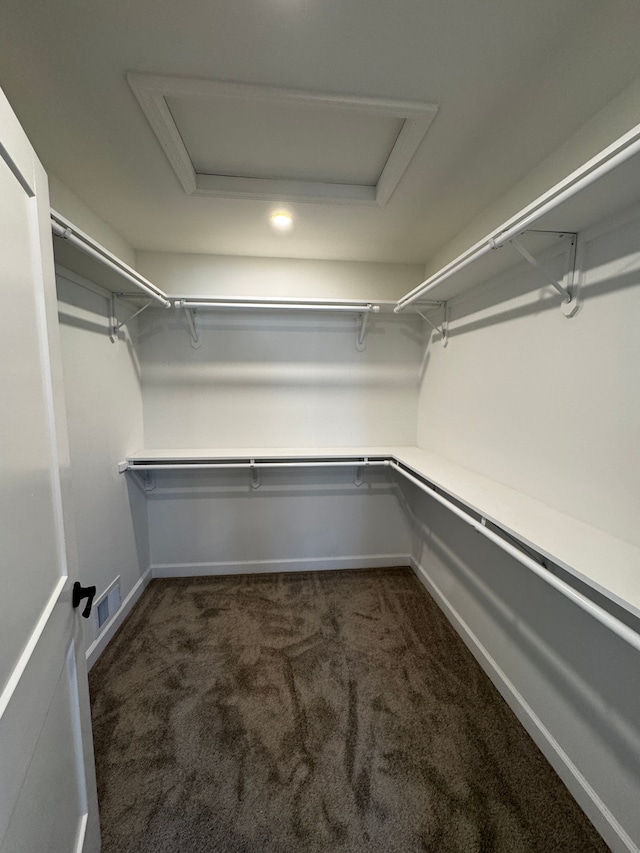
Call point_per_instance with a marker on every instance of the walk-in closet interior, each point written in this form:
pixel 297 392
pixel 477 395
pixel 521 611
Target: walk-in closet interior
pixel 431 364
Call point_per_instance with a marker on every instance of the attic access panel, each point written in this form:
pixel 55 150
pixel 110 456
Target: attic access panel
pixel 255 142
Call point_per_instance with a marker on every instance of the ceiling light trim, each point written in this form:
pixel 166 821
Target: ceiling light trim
pixel 152 91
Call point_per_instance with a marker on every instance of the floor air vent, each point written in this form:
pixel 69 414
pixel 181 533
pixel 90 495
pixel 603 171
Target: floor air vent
pixel 107 605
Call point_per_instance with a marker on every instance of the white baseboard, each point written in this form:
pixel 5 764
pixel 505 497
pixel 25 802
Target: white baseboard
pixel 305 564
pixel 595 809
pixel 98 646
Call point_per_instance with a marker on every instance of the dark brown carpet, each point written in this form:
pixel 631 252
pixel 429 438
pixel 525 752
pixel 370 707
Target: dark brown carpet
pixel 333 711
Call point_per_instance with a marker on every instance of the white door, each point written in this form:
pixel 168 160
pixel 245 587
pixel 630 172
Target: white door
pixel 48 798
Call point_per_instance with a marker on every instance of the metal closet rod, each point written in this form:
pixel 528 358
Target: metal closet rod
pixel 605 618
pixel 618 152
pixel 599 613
pixel 365 308
pixel 82 242
pixel 198 466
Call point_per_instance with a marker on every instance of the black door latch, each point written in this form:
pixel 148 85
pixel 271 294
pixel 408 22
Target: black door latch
pixel 80 592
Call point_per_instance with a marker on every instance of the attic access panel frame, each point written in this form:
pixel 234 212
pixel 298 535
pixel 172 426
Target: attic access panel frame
pixel 152 92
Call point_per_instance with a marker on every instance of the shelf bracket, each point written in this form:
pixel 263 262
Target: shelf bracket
pixel 568 294
pixel 443 328
pixel 361 330
pixel 190 314
pixel 358 478
pixel 114 326
pixel 573 279
pixel 146 478
pixel 255 475
pixel 113 320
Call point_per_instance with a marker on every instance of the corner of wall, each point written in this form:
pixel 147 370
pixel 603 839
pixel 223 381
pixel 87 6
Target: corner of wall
pixel 68 204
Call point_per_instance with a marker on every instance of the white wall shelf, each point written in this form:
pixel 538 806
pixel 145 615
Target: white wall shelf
pixel 608 565
pixel 190 305
pixel 604 185
pixel 80 253
pixel 77 251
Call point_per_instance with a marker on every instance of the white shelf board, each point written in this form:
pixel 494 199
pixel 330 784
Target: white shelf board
pixel 607 564
pixel 492 265
pixel 246 453
pixel 71 257
pixel 611 194
pixel 74 259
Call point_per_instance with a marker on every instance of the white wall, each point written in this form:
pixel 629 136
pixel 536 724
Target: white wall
pixel 221 275
pixel 104 407
pixel 550 407
pixel 281 380
pixel 75 210
pixel 203 523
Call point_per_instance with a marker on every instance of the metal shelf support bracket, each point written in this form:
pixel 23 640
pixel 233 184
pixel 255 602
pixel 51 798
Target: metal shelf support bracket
pixel 255 475
pixel 358 478
pixel 361 330
pixel 443 328
pixel 146 479
pixel 114 325
pixel 190 314
pixel 113 321
pixel 568 294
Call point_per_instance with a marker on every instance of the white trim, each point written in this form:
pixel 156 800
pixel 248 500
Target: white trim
pixel 412 133
pixel 283 189
pixel 100 643
pixel 32 642
pixel 152 90
pixel 304 564
pixel 593 806
pixel 82 831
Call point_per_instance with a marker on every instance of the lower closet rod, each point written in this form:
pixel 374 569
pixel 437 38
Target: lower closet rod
pixel 356 463
pixel 603 616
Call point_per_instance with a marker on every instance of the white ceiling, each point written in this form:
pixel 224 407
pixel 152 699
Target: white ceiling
pixel 512 80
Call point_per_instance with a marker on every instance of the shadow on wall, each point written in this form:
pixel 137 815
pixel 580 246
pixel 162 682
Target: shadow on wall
pixel 204 517
pixel 285 381
pixel 138 504
pixel 522 280
pixel 269 328
pixel 94 314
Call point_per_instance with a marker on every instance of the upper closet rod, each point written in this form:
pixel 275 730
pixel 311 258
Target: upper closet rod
pixel 64 229
pixel 618 152
pixel 288 306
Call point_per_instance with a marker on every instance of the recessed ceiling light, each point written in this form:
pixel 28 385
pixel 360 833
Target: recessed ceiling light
pixel 281 220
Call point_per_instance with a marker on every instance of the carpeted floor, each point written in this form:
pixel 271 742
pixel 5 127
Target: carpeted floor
pixel 328 711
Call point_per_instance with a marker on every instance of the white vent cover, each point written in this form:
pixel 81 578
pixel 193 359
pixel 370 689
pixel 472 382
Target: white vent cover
pixel 239 141
pixel 107 605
